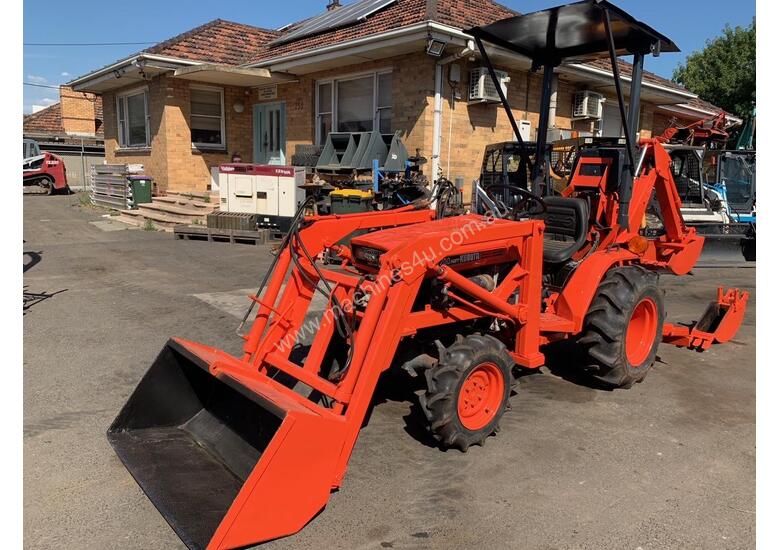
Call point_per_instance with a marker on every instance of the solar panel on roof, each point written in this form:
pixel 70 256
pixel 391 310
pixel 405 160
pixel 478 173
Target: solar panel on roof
pixel 343 16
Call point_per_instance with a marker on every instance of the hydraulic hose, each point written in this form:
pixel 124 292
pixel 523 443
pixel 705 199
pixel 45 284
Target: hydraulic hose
pixel 285 243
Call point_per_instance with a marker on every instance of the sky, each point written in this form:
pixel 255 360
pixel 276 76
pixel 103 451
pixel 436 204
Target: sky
pixel 689 23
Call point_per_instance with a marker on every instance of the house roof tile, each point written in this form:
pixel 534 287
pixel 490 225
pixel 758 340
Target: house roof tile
pixel 217 41
pixel 455 13
pixel 45 121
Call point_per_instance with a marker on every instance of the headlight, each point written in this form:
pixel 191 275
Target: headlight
pixel 366 255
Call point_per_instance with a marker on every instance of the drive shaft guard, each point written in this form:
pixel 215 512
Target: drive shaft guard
pixel 229 459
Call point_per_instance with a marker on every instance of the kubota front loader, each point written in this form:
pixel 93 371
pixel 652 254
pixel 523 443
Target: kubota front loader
pixel 235 451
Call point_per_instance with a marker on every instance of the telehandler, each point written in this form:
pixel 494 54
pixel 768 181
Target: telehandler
pixel 235 451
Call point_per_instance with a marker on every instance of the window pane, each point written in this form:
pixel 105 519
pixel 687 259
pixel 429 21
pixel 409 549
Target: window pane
pixel 136 116
pixel 385 91
pixel 356 105
pixel 121 122
pixel 325 95
pixel 205 102
pixel 206 130
pixel 325 126
pixel 385 121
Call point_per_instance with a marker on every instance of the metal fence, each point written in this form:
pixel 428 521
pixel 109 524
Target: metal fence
pixel 79 160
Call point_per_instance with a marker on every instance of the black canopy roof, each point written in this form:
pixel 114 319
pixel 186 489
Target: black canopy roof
pixel 573 32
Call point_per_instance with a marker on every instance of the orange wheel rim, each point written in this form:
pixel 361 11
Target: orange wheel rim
pixel 641 332
pixel 481 394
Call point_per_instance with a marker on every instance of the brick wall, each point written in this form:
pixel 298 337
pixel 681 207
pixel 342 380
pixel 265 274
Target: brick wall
pixel 412 100
pixel 78 111
pixel 153 158
pixel 171 160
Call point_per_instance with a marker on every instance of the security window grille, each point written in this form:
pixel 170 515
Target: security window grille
pixel 207 120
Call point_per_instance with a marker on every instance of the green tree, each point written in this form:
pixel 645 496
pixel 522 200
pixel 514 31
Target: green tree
pixel 724 71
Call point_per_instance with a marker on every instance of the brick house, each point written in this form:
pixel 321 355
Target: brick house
pixel 77 116
pixel 192 102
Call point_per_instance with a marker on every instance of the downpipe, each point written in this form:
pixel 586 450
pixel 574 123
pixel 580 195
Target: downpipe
pixel 437 105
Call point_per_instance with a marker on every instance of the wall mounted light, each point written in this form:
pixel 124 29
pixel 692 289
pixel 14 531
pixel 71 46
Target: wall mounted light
pixel 238 106
pixel 435 47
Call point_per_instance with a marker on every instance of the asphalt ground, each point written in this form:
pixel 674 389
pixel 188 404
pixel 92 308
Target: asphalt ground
pixel 669 463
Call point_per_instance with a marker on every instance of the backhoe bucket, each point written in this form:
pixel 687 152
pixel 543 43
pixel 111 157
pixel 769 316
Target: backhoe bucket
pixel 719 323
pixel 228 458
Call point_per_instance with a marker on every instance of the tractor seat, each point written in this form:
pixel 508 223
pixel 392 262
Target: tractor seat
pixel 565 228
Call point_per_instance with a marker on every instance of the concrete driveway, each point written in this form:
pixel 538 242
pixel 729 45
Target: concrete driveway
pixel 667 464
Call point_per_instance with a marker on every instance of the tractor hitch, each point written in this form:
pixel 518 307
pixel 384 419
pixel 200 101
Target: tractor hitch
pixel 719 323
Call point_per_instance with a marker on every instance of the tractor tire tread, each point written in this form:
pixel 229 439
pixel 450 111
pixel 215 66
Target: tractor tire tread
pixel 603 334
pixel 440 399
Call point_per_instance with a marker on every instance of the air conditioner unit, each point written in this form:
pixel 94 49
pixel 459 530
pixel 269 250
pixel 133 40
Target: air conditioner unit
pixel 587 104
pixel 481 87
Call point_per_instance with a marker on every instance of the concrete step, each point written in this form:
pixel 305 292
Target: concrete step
pixel 183 214
pixel 181 201
pixel 199 198
pixel 160 221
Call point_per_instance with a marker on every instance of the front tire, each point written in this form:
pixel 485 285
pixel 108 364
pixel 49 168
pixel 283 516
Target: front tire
pixel 623 327
pixel 468 391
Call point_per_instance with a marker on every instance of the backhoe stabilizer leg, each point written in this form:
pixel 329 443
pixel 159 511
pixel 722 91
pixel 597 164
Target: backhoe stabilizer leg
pixel 719 323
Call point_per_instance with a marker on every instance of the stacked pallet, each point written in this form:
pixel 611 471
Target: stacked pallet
pixel 167 212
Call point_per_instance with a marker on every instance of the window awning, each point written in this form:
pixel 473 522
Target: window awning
pixel 226 75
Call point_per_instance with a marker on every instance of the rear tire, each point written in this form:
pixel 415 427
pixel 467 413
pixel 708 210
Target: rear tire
pixel 468 391
pixel 623 327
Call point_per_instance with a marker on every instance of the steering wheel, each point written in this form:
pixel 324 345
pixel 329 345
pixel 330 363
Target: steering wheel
pixel 523 203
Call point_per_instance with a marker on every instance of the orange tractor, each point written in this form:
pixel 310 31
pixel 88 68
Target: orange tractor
pixel 235 451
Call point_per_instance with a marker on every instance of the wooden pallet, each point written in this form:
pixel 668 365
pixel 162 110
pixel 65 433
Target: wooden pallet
pixel 210 234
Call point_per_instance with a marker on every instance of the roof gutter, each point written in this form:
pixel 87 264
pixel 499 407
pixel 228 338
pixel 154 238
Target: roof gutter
pixel 128 61
pixel 582 68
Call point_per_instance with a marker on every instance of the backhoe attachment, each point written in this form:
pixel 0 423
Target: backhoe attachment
pixel 719 323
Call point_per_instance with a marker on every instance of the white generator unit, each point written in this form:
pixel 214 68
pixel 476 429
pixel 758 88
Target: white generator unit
pixel 271 192
pixel 481 87
pixel 587 104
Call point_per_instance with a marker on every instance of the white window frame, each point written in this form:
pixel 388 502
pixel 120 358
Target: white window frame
pixel 222 143
pixel 320 140
pixel 123 133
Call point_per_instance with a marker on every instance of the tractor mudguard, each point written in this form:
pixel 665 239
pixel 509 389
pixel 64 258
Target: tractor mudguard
pixel 719 323
pixel 227 458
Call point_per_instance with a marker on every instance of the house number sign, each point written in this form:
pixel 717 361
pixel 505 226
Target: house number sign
pixel 267 92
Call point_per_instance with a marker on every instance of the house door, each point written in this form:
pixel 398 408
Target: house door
pixel 268 133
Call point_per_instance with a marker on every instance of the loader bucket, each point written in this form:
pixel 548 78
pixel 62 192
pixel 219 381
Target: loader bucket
pixel 228 460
